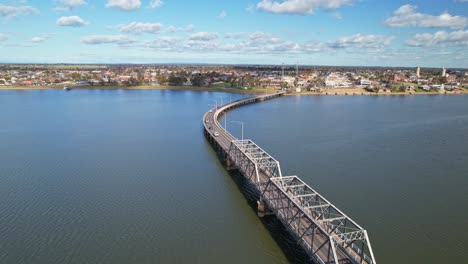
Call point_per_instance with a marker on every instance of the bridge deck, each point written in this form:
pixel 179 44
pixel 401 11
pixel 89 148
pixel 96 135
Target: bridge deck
pixel 327 234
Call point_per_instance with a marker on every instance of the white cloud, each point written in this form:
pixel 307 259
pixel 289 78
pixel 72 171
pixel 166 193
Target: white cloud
pixel 38 39
pixel 162 43
pixel 312 46
pixel 222 15
pixel 70 4
pixel 405 16
pixel 361 41
pixel 188 28
pixel 3 37
pixel 125 5
pixel 300 6
pixel 156 3
pixel 204 36
pixel 260 36
pixel 248 43
pixel 244 43
pixel 71 21
pixel 173 29
pixel 107 39
pixel 42 37
pixel 440 38
pixel 140 28
pixel 14 11
pixel 265 43
pixel 235 35
pixel 198 42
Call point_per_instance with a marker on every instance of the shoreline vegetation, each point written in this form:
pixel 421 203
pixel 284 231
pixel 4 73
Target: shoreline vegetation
pixel 346 91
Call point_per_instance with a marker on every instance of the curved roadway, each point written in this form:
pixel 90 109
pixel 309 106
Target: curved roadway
pixel 210 119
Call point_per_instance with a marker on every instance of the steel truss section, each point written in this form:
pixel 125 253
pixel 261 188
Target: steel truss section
pixel 244 164
pixel 329 234
pixel 263 161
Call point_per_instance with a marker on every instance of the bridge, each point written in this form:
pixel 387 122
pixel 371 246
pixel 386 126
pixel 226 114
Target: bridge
pixel 325 233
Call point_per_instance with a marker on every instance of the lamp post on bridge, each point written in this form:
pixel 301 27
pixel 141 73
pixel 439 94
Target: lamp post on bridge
pixel 225 113
pixel 242 123
pixel 211 105
pixel 216 102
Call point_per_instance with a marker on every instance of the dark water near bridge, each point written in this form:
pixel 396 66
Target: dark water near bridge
pixel 127 176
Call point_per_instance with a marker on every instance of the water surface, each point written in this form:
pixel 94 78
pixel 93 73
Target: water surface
pixel 127 176
pixel 119 177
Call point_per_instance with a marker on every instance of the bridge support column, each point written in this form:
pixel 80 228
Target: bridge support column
pixel 262 209
pixel 229 165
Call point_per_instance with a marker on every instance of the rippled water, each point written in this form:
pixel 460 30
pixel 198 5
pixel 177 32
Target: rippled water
pixel 127 176
pixel 119 177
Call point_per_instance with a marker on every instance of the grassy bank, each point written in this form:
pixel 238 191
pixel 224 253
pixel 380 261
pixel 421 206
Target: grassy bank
pixel 226 90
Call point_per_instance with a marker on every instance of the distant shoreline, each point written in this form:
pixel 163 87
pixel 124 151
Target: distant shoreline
pixel 375 94
pixel 341 92
pixel 139 87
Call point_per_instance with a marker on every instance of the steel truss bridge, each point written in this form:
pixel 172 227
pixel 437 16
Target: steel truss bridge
pixel 324 232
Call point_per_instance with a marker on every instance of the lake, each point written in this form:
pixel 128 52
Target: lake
pixel 121 176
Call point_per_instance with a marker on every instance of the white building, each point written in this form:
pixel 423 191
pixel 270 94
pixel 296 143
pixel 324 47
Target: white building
pixel 337 80
pixel 365 82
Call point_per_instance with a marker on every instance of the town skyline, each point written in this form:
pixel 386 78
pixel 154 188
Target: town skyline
pixel 308 32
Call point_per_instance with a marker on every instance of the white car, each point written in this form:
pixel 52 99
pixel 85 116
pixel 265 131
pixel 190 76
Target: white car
pixel 216 134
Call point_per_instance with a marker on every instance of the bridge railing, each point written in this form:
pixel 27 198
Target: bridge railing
pixel 264 161
pixel 244 163
pixel 345 234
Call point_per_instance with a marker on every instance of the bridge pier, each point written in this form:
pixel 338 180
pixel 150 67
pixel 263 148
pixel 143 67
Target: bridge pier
pixel 262 209
pixel 229 165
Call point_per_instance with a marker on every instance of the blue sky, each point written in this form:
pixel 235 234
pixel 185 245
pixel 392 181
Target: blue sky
pixel 431 33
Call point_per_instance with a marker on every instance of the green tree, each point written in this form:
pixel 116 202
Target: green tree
pixel 161 78
pixel 197 80
pixel 75 76
pixel 176 80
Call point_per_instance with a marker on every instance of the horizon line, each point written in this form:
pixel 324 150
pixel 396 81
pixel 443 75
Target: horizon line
pixel 224 64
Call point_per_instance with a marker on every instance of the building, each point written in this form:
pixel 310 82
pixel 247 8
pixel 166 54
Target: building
pixel 397 77
pixel 444 72
pixel 451 78
pixel 365 82
pixel 418 72
pixel 336 79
